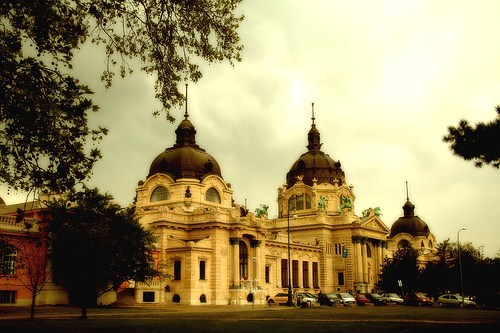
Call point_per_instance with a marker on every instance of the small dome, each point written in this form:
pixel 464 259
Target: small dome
pixel 315 164
pixel 409 223
pixel 185 159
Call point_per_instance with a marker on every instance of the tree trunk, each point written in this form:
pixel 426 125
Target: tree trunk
pixel 32 310
pixel 84 311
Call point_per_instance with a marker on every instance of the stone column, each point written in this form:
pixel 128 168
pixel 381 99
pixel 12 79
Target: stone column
pixel 256 273
pixel 364 260
pixel 358 262
pixel 235 266
pixel 380 258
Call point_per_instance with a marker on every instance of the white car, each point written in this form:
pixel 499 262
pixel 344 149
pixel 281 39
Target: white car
pixel 306 299
pixel 455 300
pixel 347 298
pixel 393 298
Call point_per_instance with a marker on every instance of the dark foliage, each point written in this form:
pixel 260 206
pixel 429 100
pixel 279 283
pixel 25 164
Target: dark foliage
pixel 479 143
pixel 97 245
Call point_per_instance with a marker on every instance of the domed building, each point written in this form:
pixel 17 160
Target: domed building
pixel 411 231
pixel 211 250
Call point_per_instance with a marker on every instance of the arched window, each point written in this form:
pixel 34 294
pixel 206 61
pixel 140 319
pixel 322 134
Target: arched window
pixel 159 194
pixel 422 244
pixel 430 244
pixel 243 260
pixel 404 244
pixel 212 195
pixel 299 202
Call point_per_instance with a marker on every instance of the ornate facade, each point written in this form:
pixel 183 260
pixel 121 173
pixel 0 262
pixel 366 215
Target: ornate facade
pixel 214 251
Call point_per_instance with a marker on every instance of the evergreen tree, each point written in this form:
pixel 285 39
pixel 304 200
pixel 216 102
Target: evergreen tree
pixel 478 143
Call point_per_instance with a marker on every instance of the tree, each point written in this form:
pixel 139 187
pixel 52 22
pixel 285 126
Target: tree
pixel 44 109
pixel 478 143
pixel 31 260
pixel 96 246
pixel 403 266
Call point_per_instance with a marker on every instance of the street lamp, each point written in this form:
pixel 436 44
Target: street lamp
pixel 460 265
pixel 289 302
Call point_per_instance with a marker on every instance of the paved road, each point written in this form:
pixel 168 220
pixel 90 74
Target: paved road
pixel 184 319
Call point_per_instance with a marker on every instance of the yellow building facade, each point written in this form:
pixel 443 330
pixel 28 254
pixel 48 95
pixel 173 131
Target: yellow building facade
pixel 213 251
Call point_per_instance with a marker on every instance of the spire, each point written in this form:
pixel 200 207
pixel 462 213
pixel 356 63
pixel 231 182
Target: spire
pixel 186 115
pixel 312 107
pixel 408 207
pixel 313 135
pixel 407 197
pixel 186 133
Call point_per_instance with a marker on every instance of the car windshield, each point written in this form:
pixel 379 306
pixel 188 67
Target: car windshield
pixel 345 295
pixel 331 296
pixel 392 295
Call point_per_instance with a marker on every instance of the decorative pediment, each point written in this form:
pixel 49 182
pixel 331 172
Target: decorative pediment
pixel 374 223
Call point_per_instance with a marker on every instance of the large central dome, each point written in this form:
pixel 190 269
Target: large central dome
pixel 315 164
pixel 185 159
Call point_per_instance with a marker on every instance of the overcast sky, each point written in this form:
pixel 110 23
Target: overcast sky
pixel 387 79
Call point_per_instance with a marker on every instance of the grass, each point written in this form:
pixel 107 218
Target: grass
pixel 208 319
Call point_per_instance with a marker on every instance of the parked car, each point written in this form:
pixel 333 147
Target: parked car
pixel 488 300
pixel 329 299
pixel 279 298
pixel 393 298
pixel 417 299
pixel 455 300
pixel 346 298
pixel 306 299
pixel 361 299
pixel 376 299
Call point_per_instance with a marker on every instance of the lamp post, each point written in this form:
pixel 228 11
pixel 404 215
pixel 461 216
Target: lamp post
pixel 460 266
pixel 289 301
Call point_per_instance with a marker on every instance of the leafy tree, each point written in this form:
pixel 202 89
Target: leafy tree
pixel 44 109
pixel 31 265
pixel 437 277
pixel 96 246
pixel 403 266
pixel 478 143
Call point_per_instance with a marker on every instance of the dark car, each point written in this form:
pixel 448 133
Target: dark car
pixel 376 299
pixel 329 299
pixel 417 299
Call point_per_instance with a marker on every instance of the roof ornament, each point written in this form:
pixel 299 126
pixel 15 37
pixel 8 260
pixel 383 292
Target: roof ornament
pixel 407 197
pixel 312 106
pixel 186 115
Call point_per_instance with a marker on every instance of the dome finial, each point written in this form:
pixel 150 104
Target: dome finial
pixel 312 106
pixel 407 196
pixel 186 115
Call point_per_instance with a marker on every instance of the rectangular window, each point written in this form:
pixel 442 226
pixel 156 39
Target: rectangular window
pixel 340 276
pixel 8 263
pixel 7 297
pixel 295 273
pixel 315 275
pixel 305 274
pixel 202 270
pixel 267 272
pixel 148 296
pixel 284 273
pixel 177 270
